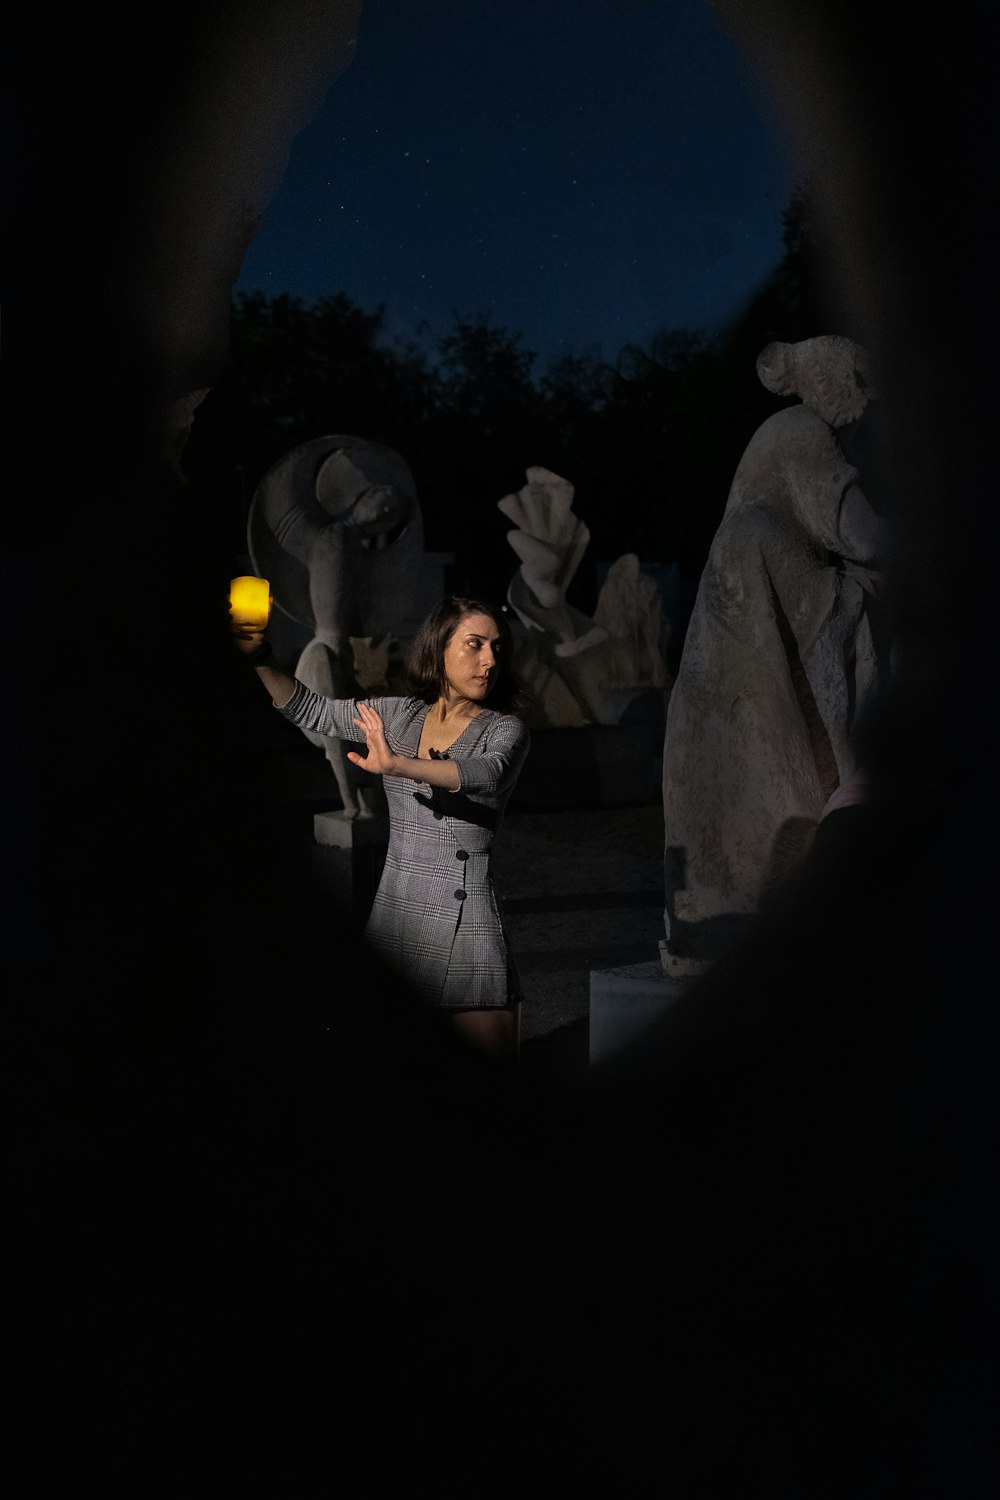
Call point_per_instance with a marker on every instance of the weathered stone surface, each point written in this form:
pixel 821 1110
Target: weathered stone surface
pixel 335 830
pixel 336 526
pixel 779 658
pixel 255 76
pixel 630 609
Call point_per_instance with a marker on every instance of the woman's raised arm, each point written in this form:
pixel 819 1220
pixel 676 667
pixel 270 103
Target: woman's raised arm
pixel 278 684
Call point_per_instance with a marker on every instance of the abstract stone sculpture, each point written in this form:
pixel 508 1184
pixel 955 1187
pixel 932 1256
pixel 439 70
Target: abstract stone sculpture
pixel 579 670
pixel 630 609
pixel 550 541
pixel 336 526
pixel 782 650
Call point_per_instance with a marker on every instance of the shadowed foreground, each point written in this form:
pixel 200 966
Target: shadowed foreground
pixel 271 1229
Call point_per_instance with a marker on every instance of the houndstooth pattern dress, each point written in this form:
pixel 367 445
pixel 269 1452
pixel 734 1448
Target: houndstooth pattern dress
pixel 436 917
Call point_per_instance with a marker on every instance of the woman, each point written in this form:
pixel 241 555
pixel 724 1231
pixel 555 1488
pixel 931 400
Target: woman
pixel 449 763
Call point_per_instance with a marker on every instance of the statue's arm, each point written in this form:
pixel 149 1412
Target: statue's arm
pixel 859 528
pixel 832 499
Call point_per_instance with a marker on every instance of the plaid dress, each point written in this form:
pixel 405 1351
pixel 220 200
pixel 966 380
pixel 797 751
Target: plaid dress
pixel 436 917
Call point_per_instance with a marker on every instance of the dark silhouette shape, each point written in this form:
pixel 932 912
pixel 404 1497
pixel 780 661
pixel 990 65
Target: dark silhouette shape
pixel 759 1257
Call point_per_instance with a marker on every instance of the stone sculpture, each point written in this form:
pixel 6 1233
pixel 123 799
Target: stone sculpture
pixel 579 670
pixel 782 650
pixel 337 528
pixel 629 608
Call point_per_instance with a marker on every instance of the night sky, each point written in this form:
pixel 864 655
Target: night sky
pixel 583 172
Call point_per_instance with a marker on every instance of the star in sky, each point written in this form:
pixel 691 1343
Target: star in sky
pixel 584 173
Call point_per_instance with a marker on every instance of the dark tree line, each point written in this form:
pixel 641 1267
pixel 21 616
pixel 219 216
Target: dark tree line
pixel 649 441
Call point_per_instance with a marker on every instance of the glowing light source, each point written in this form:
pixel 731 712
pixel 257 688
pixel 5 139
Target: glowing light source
pixel 250 604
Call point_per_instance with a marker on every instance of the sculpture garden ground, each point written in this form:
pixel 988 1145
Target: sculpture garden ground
pixel 583 890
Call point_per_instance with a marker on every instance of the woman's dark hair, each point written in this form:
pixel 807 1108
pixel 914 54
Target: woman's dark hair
pixel 425 658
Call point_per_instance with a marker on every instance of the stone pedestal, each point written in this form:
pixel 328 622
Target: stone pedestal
pixel 348 855
pixel 624 1002
pixel 676 968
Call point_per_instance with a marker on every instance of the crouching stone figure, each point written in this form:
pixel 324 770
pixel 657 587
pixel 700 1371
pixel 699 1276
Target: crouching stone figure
pixel 782 650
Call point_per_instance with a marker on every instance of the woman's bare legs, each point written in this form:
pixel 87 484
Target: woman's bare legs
pixel 495 1031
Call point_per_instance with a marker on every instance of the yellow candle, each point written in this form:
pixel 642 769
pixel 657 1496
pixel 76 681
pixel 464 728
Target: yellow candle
pixel 250 604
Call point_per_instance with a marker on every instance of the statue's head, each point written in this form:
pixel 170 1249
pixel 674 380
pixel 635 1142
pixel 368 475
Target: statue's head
pixel 335 524
pixel 367 488
pixel 829 374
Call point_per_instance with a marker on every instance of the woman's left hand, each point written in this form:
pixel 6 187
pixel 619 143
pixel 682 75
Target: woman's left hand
pixel 380 759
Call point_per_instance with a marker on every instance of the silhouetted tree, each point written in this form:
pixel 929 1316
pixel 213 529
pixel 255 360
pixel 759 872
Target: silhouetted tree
pixel 649 441
pixel 486 374
pixel 295 373
pixel 691 405
pixel 476 445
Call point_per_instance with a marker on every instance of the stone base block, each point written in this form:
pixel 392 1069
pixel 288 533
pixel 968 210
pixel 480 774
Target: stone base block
pixel 624 1002
pixel 348 856
pixel 337 831
pixel 677 968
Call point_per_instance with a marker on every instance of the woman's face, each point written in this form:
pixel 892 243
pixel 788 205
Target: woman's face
pixel 470 657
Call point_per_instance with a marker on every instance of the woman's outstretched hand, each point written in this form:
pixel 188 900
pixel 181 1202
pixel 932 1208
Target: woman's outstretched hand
pixel 255 651
pixel 380 759
pixel 252 648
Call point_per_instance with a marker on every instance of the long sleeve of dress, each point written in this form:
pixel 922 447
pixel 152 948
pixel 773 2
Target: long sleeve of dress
pixel 490 770
pixel 498 759
pixel 331 716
